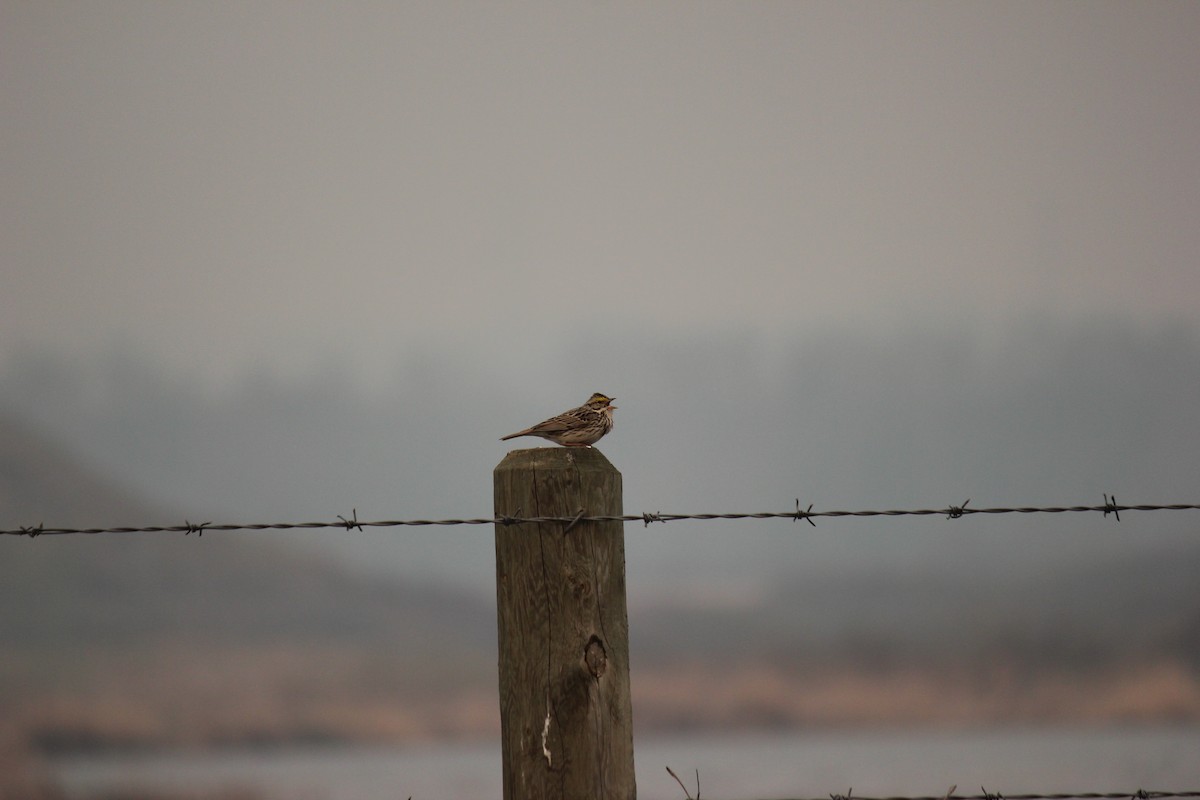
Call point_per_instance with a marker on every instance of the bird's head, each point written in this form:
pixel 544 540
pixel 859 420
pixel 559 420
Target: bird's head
pixel 599 401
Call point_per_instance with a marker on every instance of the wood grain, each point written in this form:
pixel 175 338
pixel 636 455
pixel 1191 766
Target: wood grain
pixel 566 720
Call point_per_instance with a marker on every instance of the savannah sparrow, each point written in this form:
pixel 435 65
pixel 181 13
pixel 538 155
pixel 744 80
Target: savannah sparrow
pixel 579 427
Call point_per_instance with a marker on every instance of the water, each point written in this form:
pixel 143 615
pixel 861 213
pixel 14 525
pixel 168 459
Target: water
pixel 742 767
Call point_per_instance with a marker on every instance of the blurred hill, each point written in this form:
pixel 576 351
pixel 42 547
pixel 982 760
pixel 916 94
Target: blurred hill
pixel 82 589
pixel 138 639
pixel 227 639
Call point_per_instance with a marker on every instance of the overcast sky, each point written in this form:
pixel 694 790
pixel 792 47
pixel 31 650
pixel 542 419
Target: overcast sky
pixel 233 186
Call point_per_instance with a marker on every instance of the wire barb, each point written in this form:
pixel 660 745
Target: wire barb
pixel 956 512
pixel 506 520
pixel 190 528
pixel 571 524
pixel 647 518
pixel 1110 504
pixel 352 522
pixel 805 515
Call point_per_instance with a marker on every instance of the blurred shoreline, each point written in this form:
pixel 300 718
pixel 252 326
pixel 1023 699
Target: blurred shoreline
pixel 327 703
pixel 876 762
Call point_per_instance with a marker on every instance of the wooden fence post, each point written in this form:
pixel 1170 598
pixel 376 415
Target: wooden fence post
pixel 565 715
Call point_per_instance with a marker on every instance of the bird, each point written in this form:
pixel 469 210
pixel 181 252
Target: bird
pixel 579 427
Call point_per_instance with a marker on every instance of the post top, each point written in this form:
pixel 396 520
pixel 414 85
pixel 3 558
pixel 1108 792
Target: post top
pixel 556 458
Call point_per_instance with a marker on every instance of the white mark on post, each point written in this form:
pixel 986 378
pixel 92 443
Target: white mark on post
pixel 545 739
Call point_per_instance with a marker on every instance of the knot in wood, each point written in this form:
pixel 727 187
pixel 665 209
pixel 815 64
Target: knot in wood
pixel 596 658
pixel 581 589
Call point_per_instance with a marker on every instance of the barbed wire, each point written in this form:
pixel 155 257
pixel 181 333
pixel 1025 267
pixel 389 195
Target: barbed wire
pixel 1110 506
pixel 1140 794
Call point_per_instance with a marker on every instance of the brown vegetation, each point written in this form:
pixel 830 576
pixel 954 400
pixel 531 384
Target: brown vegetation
pixel 770 696
pixel 186 697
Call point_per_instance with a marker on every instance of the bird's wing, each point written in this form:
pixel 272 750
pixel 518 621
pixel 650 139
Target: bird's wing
pixel 553 425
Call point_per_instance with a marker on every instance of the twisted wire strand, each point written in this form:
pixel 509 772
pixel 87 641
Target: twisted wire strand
pixel 808 515
pixel 1140 794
